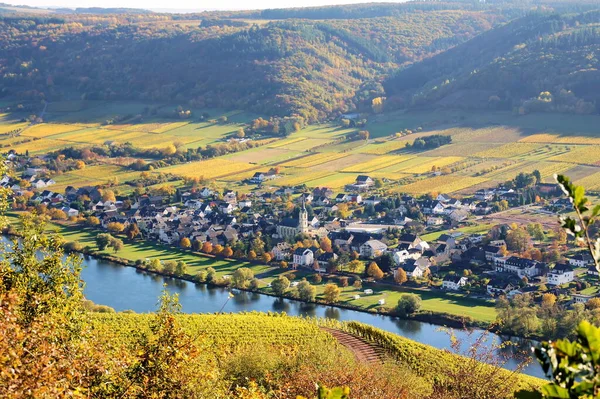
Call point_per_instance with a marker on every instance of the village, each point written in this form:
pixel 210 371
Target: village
pixel 426 243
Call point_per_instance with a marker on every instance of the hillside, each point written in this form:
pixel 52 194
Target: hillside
pixel 314 69
pixel 508 67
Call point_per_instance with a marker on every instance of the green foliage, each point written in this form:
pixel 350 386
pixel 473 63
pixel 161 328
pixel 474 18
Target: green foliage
pixel 572 366
pixel 408 304
pixel 580 227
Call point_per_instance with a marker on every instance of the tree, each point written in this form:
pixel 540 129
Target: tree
pixel 378 183
pixel 408 304
pixel 317 279
pixel 102 241
pixel 132 231
pixel 374 271
pixel 266 257
pixel 280 285
pixel 181 268
pixel 251 255
pixel 306 292
pixel 325 244
pixel 536 230
pixel 343 281
pixel 116 244
pixel 357 284
pixel 108 195
pixel 331 293
pixel 207 247
pixel 241 277
pixel 400 276
pixel 227 252
pixel 354 265
pixel 363 135
pixel 518 240
pixel 169 267
pixel 57 214
pixel 185 243
pixel 548 301
pixel 115 227
pixel 240 133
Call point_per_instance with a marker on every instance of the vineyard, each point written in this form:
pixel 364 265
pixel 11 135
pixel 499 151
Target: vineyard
pixel 377 163
pixel 210 169
pixel 227 331
pixel 49 129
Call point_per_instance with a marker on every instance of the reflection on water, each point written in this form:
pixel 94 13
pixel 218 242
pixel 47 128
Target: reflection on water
pixel 126 288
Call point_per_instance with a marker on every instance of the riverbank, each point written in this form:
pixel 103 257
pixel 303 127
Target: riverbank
pixel 444 309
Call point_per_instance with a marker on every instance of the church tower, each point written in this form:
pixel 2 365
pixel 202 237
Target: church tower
pixel 303 219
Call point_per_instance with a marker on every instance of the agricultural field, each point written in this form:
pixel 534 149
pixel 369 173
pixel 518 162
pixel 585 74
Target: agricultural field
pixel 92 176
pixel 210 169
pixel 487 148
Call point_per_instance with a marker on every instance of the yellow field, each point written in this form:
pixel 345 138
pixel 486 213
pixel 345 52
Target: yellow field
pixel 313 160
pixel 9 128
pixel 441 184
pixel 92 176
pixel 556 139
pixel 302 178
pixel 49 129
pixel 382 148
pixel 335 181
pixel 428 166
pixel 497 134
pixel 378 163
pixel 509 150
pixel 100 136
pixel 38 146
pixel 285 142
pixel 591 182
pixel 165 127
pixel 210 169
pixel 584 155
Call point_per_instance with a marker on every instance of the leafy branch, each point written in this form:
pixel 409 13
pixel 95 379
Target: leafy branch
pixel 580 227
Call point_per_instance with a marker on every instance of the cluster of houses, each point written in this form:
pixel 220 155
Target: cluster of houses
pixel 224 218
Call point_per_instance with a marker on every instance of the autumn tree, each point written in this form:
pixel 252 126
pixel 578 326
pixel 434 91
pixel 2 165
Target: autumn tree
pixel 115 227
pixel 280 285
pixel 374 271
pixel 227 252
pixel 306 291
pixel 207 247
pixel 518 240
pixel 185 243
pixel 400 276
pixel 241 277
pixel 325 244
pixel 132 231
pixel 331 293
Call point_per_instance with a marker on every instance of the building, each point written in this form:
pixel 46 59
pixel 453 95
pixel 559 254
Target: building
pixel 581 260
pixel 290 227
pixel 304 257
pixel 519 266
pixel 281 251
pixel 562 273
pixel 372 249
pixel 416 267
pixel 454 283
pixel 499 287
pixel 362 183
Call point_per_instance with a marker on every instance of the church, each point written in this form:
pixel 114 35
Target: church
pixel 291 227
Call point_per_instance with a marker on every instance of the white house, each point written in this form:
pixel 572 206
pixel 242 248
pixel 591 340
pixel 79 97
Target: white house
pixel 304 257
pixel 372 249
pixel 454 283
pixel 581 260
pixel 281 251
pixel 403 255
pixel 519 266
pixel 416 268
pixel 562 273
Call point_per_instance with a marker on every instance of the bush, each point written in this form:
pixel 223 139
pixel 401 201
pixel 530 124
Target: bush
pixel 408 304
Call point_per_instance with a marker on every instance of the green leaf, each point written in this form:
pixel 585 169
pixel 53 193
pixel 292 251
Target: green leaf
pixel 522 394
pixel 555 391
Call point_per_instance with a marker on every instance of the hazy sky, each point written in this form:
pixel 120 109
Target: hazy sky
pixel 190 4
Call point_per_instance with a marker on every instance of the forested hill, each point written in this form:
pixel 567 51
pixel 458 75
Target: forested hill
pixel 274 63
pixel 313 68
pixel 536 63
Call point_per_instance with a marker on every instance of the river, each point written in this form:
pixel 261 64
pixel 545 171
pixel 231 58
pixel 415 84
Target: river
pixel 123 288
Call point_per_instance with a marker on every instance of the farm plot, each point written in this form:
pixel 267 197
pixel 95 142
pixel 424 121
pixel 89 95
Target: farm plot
pixel 441 184
pixel 300 178
pixel 263 155
pixel 7 128
pixel 591 182
pixel 377 163
pixel 313 160
pixel 210 169
pixel 334 181
pixel 584 155
pixel 558 139
pixel 92 176
pixel 286 142
pixel 100 136
pixel 428 165
pixel 165 127
pixel 382 147
pixel 498 134
pixel 38 146
pixel 49 129
pixel 460 149
pixel 306 144
pixel 509 150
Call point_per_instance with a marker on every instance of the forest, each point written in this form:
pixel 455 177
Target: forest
pixel 316 63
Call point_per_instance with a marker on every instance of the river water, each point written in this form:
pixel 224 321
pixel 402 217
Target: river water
pixel 123 288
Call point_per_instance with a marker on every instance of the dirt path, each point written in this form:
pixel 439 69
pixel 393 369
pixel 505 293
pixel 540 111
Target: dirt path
pixel 364 351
